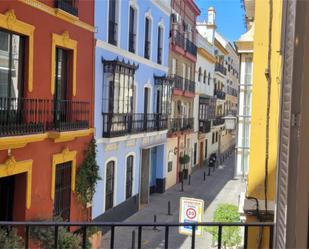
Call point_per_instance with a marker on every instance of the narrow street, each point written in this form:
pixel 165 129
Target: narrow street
pixel 220 187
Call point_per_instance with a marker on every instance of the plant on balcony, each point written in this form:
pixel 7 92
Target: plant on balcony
pixel 44 237
pixel 9 239
pixel 87 175
pixel 183 160
pixel 230 235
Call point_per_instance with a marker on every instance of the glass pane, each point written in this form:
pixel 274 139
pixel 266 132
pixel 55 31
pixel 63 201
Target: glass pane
pixel 4 63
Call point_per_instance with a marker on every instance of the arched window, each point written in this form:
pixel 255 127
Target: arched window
pixel 109 185
pixel 209 78
pixel 199 74
pixel 129 176
pixel 205 76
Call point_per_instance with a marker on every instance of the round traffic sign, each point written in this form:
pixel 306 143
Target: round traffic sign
pixel 191 213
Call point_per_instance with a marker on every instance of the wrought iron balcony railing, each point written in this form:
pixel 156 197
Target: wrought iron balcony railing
pixel 191 47
pixel 178 39
pixel 19 116
pixel 220 68
pixel 218 121
pixel 183 84
pixel 180 124
pixel 132 42
pixel 147 50
pixel 68 6
pixel 112 32
pixel 121 124
pixel 204 126
pixel 221 228
pixel 219 94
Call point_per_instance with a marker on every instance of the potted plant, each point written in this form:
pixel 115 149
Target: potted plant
pixel 183 160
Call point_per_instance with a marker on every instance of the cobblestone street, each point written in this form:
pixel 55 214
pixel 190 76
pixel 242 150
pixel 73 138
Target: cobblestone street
pixel 220 187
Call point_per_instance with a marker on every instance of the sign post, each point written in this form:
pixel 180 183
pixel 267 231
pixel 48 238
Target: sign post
pixel 191 211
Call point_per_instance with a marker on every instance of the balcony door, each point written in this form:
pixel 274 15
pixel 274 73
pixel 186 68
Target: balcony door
pixel 61 86
pixel 6 198
pixel 11 77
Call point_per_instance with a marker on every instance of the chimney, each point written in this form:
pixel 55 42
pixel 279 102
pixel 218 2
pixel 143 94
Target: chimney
pixel 208 27
pixel 211 16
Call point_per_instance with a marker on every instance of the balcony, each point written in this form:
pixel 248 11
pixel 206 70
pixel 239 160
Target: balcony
pixel 122 124
pixel 165 227
pixel 191 47
pixel 183 86
pixel 219 94
pixel 180 124
pixel 68 6
pixel 204 126
pixel 178 39
pixel 19 116
pixel 220 68
pixel 112 32
pixel 218 121
pixel 132 42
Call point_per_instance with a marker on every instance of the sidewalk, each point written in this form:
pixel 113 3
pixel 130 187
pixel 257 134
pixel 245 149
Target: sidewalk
pixel 220 187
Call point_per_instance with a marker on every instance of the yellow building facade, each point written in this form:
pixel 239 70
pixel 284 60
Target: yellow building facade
pixel 264 134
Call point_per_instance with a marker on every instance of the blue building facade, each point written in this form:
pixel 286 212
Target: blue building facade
pixel 132 102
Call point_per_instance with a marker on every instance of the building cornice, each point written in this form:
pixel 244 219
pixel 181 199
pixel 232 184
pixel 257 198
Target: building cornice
pixel 220 47
pixel 129 55
pixel 206 55
pixel 164 5
pixel 58 13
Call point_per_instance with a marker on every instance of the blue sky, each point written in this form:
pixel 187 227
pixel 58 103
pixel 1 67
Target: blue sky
pixel 229 17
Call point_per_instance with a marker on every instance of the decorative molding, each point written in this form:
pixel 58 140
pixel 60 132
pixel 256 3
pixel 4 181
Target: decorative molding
pixel 12 167
pixel 64 41
pixel 163 5
pixel 111 147
pixel 206 55
pixel 15 142
pixel 10 22
pixel 65 156
pixel 130 56
pixel 131 143
pixel 59 14
pixel 59 137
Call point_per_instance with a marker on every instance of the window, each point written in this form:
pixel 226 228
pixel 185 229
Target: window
pixel 118 89
pixel 147 38
pixel 205 76
pixel 68 6
pixel 164 93
pixel 216 136
pixel 129 176
pixel 206 145
pixel 132 30
pixel 62 201
pixel 213 138
pixel 160 45
pixel 195 152
pixel 199 74
pixel 12 61
pixel 169 166
pixel 112 22
pixel 209 78
pixel 109 185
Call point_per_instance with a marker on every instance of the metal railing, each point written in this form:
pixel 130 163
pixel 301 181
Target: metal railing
pixel 121 124
pixel 26 227
pixel 68 6
pixel 178 39
pixel 218 121
pixel 204 126
pixel 191 47
pixel 180 124
pixel 20 116
pixel 220 68
pixel 220 94
pixel 132 42
pixel 183 84
pixel 112 32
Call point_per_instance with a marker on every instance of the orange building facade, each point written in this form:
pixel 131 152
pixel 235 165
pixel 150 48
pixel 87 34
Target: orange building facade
pixel 46 106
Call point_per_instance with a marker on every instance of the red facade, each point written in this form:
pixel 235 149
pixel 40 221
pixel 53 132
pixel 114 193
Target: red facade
pixel 60 121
